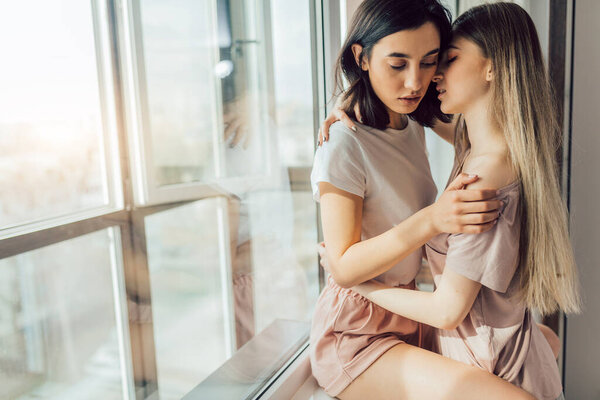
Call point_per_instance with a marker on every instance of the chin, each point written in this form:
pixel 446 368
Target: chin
pixel 446 109
pixel 404 110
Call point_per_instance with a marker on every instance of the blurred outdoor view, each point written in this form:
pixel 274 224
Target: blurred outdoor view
pixel 225 99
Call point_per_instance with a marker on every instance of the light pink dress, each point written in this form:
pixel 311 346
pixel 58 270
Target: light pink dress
pixel 390 171
pixel 499 334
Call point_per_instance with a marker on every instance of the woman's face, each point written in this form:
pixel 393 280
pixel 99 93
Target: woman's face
pixel 402 65
pixel 463 77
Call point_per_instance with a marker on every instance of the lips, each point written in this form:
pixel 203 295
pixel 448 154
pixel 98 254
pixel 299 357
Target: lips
pixel 410 100
pixel 441 91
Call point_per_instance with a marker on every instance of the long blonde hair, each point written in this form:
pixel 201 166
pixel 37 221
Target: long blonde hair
pixel 523 108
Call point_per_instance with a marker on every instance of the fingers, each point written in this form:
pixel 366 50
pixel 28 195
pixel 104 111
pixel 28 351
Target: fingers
pixel 357 113
pixel 232 129
pixel 247 137
pixel 337 115
pixel 480 206
pixel 461 181
pixel 479 218
pixel 240 133
pixel 321 249
pixel 327 123
pixel 479 228
pixel 347 121
pixel 474 194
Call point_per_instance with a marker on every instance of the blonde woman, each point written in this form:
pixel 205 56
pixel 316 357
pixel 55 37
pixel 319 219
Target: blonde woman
pixel 487 284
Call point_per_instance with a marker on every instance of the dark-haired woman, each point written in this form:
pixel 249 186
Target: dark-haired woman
pixel 376 194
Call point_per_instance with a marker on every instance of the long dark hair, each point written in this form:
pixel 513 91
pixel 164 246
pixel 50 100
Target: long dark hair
pixel 372 21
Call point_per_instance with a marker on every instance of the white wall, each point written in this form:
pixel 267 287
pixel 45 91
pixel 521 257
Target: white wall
pixel 582 375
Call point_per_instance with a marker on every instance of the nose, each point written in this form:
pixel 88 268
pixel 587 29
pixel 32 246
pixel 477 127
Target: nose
pixel 439 73
pixel 413 80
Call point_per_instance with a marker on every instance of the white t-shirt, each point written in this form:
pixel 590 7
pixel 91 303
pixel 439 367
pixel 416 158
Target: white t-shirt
pixel 389 170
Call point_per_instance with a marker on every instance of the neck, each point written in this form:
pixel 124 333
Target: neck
pixel 485 135
pixel 397 121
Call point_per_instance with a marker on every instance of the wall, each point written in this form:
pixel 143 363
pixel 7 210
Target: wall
pixel 582 332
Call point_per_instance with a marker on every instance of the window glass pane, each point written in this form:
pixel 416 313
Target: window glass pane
pixel 205 307
pixel 179 44
pixel 284 261
pixel 293 67
pixel 51 131
pixel 188 306
pixel 441 159
pixel 59 336
pixel 229 88
pixel 228 272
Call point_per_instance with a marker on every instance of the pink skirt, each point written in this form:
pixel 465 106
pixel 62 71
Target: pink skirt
pixel 349 333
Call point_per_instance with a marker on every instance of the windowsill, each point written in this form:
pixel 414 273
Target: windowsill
pixel 256 364
pixel 296 383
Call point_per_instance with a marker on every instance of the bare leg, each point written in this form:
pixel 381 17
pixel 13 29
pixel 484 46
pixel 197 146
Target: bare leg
pixel 408 372
pixel 552 339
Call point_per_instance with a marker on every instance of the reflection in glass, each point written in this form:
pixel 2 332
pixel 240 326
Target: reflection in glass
pixel 188 308
pixel 293 93
pixel 246 93
pixel 235 122
pixel 285 260
pixel 50 126
pixel 59 335
pixel 179 42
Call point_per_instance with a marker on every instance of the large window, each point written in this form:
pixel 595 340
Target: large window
pixel 156 221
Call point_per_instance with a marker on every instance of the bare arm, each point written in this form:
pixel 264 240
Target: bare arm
pixel 352 261
pixel 445 308
pixel 452 300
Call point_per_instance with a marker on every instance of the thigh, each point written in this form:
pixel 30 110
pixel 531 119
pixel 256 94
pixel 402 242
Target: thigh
pixel 408 372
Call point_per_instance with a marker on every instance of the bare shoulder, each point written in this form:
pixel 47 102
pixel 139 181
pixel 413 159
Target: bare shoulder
pixel 494 171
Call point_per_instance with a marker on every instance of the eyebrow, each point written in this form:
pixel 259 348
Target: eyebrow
pixel 453 47
pixel 402 55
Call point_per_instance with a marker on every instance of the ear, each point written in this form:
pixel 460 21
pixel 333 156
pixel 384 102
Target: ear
pixel 489 72
pixel 357 51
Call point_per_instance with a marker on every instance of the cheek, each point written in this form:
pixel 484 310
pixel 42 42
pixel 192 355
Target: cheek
pixel 427 77
pixel 385 81
pixel 464 87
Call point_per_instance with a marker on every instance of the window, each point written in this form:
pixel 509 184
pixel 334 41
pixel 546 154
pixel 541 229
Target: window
pixel 57 129
pixel 158 219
